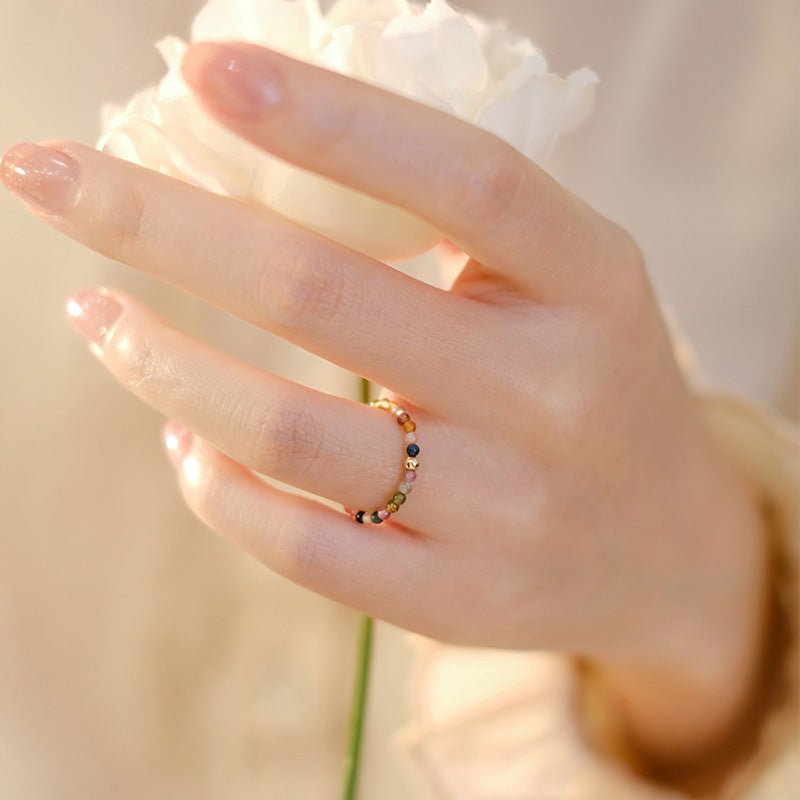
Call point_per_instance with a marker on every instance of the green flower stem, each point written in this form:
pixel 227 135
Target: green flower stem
pixel 359 708
pixel 363 663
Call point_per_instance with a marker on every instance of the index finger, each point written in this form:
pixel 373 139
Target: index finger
pixel 492 201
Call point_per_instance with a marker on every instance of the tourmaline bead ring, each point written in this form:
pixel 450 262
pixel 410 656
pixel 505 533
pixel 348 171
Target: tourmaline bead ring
pixel 409 463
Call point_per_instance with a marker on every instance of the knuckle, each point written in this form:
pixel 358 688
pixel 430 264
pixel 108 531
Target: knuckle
pixel 128 222
pixel 490 174
pixel 331 129
pixel 626 280
pixel 299 552
pixel 301 285
pixel 142 364
pixel 628 251
pixel 283 438
pixel 566 406
pixel 629 257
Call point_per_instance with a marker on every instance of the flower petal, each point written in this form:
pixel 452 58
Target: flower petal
pixel 292 27
pixel 438 49
pixel 459 63
pixel 534 117
pixel 355 220
pixel 352 50
pixel 353 12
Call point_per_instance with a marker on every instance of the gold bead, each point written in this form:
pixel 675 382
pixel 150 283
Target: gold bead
pixel 392 508
pixel 410 426
pixel 412 463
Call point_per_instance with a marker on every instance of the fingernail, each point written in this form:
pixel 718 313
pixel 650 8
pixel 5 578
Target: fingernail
pixel 42 177
pixel 94 314
pixel 234 81
pixel 178 441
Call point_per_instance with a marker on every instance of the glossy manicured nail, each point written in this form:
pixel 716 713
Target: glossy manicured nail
pixel 178 442
pixel 94 313
pixel 42 177
pixel 234 81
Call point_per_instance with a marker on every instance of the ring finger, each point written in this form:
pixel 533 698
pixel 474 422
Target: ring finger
pixel 334 448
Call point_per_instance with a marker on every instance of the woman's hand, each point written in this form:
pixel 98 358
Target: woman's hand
pixel 568 495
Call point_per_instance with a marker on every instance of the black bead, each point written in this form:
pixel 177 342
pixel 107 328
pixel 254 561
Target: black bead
pixel 360 517
pixel 413 450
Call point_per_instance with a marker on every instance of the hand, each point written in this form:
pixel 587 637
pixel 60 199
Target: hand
pixel 568 496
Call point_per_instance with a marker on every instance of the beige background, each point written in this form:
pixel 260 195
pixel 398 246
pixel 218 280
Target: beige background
pixel 142 657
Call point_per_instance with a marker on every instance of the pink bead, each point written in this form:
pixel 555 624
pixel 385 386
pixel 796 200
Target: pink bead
pixel 411 476
pixel 383 514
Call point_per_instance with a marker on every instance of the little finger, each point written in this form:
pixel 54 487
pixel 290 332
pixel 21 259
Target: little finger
pixel 385 573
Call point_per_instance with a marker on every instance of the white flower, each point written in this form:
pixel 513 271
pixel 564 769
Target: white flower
pixel 477 70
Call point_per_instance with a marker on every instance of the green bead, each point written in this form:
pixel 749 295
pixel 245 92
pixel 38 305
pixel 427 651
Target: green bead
pixel 375 518
pixel 399 498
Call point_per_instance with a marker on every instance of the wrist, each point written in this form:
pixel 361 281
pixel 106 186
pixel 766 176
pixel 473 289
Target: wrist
pixel 684 702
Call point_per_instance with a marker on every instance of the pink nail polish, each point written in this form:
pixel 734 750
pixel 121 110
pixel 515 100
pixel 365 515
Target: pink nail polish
pixel 42 177
pixel 234 81
pixel 94 314
pixel 178 441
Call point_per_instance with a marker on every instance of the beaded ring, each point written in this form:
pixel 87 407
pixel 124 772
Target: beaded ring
pixel 410 465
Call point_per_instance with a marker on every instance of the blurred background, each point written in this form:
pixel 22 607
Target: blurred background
pixel 142 657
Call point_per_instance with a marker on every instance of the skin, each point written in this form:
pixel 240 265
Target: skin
pixel 592 515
